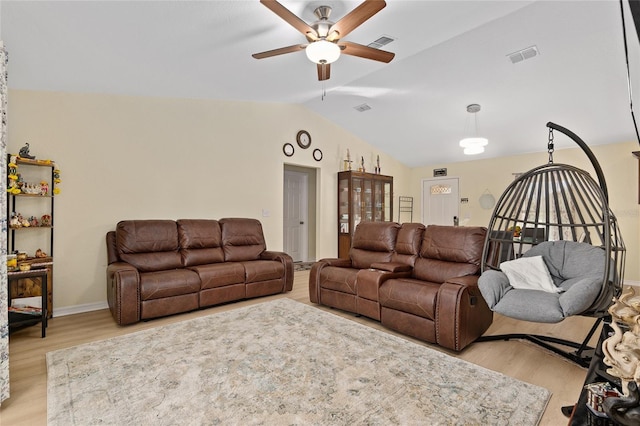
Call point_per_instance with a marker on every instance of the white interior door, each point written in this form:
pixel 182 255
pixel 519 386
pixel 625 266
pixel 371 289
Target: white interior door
pixel 440 201
pixel 296 228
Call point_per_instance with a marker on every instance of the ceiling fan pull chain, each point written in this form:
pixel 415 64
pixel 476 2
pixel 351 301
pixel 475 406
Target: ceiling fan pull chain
pixel 324 91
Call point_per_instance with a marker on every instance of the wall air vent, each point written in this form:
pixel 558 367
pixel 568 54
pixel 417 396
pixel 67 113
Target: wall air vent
pixel 523 54
pixel 381 41
pixel 362 107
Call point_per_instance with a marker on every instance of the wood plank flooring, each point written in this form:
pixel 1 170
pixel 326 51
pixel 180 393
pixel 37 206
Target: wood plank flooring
pixel 28 375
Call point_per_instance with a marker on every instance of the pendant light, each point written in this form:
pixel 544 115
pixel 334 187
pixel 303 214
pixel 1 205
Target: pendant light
pixel 474 144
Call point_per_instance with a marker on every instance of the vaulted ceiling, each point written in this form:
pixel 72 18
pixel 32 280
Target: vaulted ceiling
pixel 448 54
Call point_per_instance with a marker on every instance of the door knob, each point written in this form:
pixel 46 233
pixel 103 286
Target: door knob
pixel 301 223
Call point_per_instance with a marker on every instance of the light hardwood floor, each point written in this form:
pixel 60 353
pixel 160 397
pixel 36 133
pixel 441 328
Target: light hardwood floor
pixel 28 375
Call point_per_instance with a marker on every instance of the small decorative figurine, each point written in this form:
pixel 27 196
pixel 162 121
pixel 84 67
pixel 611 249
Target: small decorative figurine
pixel 45 220
pixel 377 164
pixel 44 188
pixel 40 253
pixel 24 152
pixel 33 221
pixel 348 160
pixel 362 164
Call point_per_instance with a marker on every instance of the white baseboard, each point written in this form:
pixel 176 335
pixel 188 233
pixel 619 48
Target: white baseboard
pixel 78 309
pixel 633 283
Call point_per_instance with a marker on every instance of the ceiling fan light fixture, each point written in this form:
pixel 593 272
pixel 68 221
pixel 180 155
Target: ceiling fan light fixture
pixel 323 52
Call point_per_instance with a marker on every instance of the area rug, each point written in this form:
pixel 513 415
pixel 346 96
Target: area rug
pixel 277 363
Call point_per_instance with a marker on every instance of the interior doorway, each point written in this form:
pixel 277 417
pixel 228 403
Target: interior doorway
pixel 299 213
pixel 440 201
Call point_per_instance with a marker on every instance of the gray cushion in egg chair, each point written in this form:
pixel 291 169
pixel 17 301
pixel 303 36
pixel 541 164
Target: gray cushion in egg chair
pixel 576 269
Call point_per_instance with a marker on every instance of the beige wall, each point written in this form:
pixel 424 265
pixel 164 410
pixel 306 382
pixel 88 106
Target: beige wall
pixel 134 158
pixel 619 166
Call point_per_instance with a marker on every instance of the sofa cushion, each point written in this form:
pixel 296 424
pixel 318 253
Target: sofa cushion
pixel 373 242
pixel 148 245
pixel 242 239
pixel 200 241
pixel 462 244
pixel 411 296
pixel 262 270
pixel 220 274
pixel 175 282
pixel 408 243
pixel 338 279
pixel 439 271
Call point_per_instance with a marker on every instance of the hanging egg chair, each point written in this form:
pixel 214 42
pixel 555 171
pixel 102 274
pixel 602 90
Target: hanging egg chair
pixel 553 249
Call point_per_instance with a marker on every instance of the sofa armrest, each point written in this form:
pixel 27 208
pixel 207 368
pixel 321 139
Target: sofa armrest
pixel 287 261
pixel 314 274
pixel 391 266
pixel 462 315
pixel 123 292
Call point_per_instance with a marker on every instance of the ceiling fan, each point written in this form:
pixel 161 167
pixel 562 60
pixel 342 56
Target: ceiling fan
pixel 324 36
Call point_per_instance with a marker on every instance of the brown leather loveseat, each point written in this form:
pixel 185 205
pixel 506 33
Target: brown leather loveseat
pixel 420 281
pixel 163 267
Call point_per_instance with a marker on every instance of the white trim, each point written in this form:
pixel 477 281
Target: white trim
pixel 632 283
pixel 79 309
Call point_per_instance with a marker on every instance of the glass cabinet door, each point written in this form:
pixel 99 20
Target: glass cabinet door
pixel 377 199
pixel 343 206
pixel 387 206
pixel 368 200
pixel 356 202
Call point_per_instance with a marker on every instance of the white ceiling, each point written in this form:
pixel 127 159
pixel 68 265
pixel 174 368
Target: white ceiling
pixel 448 54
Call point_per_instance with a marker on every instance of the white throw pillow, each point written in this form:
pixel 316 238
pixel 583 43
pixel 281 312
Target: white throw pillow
pixel 529 273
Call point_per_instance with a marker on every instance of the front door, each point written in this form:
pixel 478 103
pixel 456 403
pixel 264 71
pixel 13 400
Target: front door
pixel 440 201
pixel 296 228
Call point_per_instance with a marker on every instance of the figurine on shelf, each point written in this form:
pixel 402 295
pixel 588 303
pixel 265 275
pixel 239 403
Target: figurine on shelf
pixel 33 221
pixel 44 188
pixel 348 160
pixel 377 164
pixel 45 220
pixel 24 152
pixel 40 253
pixel 14 222
pixel 362 165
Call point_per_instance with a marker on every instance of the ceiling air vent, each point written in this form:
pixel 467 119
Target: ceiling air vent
pixel 523 54
pixel 382 41
pixel 362 107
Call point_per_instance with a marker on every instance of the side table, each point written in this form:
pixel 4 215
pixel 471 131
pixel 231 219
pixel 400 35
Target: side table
pixel 17 319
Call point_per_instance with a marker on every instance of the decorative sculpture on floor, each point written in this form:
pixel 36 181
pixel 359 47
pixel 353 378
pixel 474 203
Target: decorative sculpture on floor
pixel 622 355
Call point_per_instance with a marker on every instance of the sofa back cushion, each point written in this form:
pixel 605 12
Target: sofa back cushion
pixel 148 245
pixel 242 239
pixel 373 242
pixel 200 241
pixel 449 251
pixel 408 243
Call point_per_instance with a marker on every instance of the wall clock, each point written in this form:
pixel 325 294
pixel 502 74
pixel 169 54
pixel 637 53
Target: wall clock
pixel 287 148
pixel 317 154
pixel 304 139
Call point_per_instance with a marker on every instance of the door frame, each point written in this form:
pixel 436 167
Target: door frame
pixel 435 179
pixel 312 203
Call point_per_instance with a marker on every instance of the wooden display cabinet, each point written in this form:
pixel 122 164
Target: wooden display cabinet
pixel 361 197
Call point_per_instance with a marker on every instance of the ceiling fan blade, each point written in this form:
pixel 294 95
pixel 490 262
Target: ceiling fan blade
pixel 280 51
pixel 355 49
pixel 355 18
pixel 324 72
pixel 290 18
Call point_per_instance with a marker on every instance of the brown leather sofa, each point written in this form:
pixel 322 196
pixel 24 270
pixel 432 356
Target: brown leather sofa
pixel 420 281
pixel 163 267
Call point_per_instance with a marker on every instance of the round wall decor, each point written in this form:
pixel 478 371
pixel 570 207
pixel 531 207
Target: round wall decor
pixel 287 148
pixel 304 139
pixel 317 154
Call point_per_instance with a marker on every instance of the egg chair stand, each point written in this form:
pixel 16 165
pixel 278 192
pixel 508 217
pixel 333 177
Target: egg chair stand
pixel 558 212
